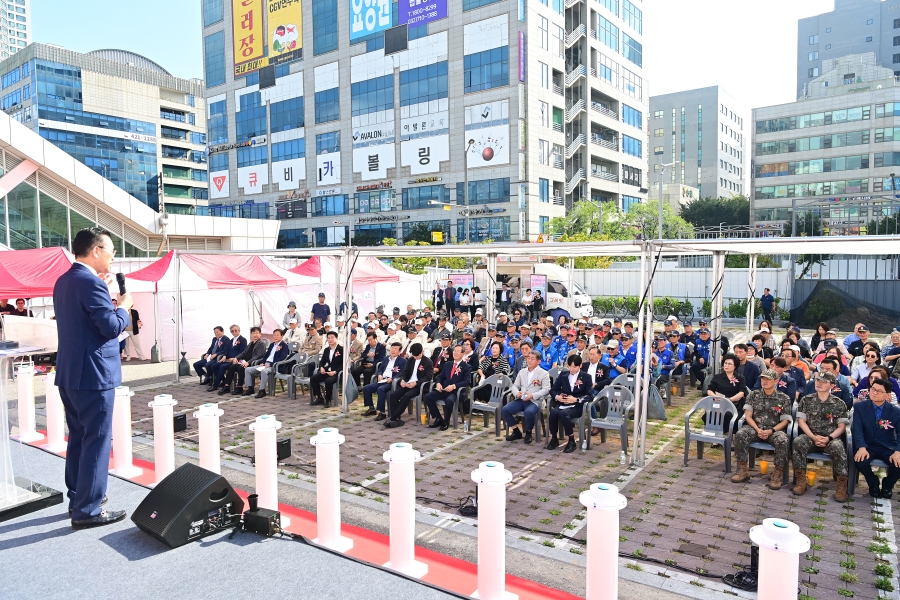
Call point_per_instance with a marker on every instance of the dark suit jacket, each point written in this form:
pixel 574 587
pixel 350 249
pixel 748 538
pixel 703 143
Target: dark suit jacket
pixel 601 375
pixel 866 431
pixel 280 354
pixel 219 345
pixel 499 294
pixel 135 317
pixel 583 387
pixel 399 366
pixel 751 374
pixel 425 374
pixel 255 351
pixel 380 352
pixel 335 364
pixel 462 377
pixel 234 349
pixel 436 360
pixel 87 327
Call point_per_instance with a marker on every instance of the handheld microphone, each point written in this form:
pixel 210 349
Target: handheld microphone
pixel 120 279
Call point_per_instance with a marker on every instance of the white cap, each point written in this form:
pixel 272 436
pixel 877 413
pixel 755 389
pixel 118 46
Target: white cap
pixel 292 321
pixel 418 322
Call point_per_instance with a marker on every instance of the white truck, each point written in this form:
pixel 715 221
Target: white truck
pixel 578 303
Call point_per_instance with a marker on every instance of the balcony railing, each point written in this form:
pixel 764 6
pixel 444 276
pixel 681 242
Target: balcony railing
pixel 556 161
pixel 601 174
pixel 608 144
pixel 575 145
pixel 575 74
pixel 557 127
pixel 557 90
pixel 559 201
pixel 577 177
pixel 575 35
pixel 597 107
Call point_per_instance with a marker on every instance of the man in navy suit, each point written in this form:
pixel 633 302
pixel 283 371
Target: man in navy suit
pixel 216 347
pixel 391 368
pixel 88 370
pixel 570 391
pixel 278 351
pixel 876 423
pixel 226 358
pixel 455 374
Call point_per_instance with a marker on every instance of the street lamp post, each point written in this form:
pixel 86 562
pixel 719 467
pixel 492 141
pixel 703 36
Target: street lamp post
pixel 662 172
pixel 720 228
pixel 466 184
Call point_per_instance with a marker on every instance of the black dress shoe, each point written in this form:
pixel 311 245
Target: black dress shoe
pixel 317 402
pixel 204 380
pixel 515 435
pixel 248 392
pixel 211 389
pixel 105 517
pixel 392 423
pixel 527 437
pixel 237 391
pixel 371 411
pixel 875 491
pixel 102 502
pixel 570 446
pixel 886 494
pixel 381 417
pixel 444 426
pixel 437 423
pixel 553 444
pixel 224 390
pixel 260 394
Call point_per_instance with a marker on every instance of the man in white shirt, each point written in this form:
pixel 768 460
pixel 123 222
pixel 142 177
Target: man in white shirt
pixel 417 372
pixel 277 353
pixel 531 386
pixel 389 369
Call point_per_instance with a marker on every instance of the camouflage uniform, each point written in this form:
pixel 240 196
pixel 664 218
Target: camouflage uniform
pixel 765 412
pixel 816 414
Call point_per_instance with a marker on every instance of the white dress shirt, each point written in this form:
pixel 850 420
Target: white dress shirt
pixel 415 373
pixel 388 370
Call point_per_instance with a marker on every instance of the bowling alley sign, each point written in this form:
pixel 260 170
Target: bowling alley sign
pixel 487 125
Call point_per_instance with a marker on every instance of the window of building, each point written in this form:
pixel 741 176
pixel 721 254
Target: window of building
pixel 293 238
pixel 632 146
pixel 631 176
pixel 373 202
pixel 632 116
pixel 421 197
pixel 813 40
pixel 486 70
pixel 372 95
pixel 328 105
pixel 12 99
pixel 410 228
pixel 250 123
pixel 218 161
pixel 869 38
pixel 217 123
pixel 325 26
pixel 848 115
pixel 423 84
pixel 828 46
pixel 543 33
pixel 472 4
pixel 629 201
pixel 544 225
pixel 632 50
pixel 545 75
pixel 608 33
pixel 326 206
pixel 213 11
pixel 483 229
pixel 214 53
pixel 414 33
pixel 288 150
pixel 545 113
pixel 485 191
pixel 611 5
pixel 249 156
pixel 822 188
pixel 632 84
pixel 287 114
pixel 328 142
pixel 10 78
pixel 658 115
pixel 814 56
pixel 633 16
pixel 869 21
pixel 544 190
pixel 813 72
pixel 828 30
pixel 658 150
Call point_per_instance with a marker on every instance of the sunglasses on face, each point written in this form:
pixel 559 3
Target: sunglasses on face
pixel 871 356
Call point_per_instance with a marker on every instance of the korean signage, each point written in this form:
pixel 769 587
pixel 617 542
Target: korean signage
pixel 488 125
pixel 384 185
pixel 463 280
pixel 424 155
pixel 382 219
pixel 247 30
pixel 328 168
pixel 259 140
pixel 428 124
pixel 372 162
pixel 419 12
pixel 289 173
pixel 253 178
pixel 521 56
pixel 328 191
pixel 424 180
pixel 369 16
pixel 218 185
pixel 285 30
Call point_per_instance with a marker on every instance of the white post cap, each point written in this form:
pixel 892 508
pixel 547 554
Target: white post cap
pixel 209 410
pixel 402 452
pixel 162 400
pixel 491 472
pixel 123 390
pixel 327 435
pixel 781 535
pixel 603 496
pixel 264 422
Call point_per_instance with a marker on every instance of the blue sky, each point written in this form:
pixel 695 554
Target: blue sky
pixel 165 31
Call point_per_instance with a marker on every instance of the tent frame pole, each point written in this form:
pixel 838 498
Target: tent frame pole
pixel 177 258
pixel 751 294
pixel 639 362
pixel 647 350
pixel 348 260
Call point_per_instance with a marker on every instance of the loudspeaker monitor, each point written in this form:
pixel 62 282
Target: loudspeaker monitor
pixel 187 505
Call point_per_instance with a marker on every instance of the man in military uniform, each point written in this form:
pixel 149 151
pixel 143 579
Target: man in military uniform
pixel 767 413
pixel 311 346
pixel 822 418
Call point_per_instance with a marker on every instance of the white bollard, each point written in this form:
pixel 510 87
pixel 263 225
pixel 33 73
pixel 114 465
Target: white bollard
pixel 780 544
pixel 603 503
pixel 56 417
pixel 208 422
pixel 492 478
pixel 328 490
pixel 27 431
pixel 402 471
pixel 123 462
pixel 163 435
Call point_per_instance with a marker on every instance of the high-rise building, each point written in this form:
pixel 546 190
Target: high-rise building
pixel 833 154
pixel 705 132
pixel 15 26
pixel 370 117
pixel 119 113
pixel 853 27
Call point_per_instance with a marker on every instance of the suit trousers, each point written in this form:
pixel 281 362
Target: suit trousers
pixel 217 372
pixel 432 398
pixel 527 406
pixel 382 389
pixel 251 372
pixel 360 371
pixel 865 467
pixel 400 399
pixel 316 382
pixel 200 367
pixel 234 373
pixel 568 416
pixel 89 418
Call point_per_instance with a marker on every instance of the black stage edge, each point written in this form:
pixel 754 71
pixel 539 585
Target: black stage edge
pixel 48 497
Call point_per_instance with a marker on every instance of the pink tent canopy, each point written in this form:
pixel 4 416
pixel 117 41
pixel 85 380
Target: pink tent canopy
pixel 32 273
pixel 220 271
pixel 368 270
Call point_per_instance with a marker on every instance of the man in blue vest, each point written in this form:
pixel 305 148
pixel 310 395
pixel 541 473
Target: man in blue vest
pixel 701 356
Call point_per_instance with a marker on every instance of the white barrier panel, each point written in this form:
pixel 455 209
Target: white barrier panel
pixel 328 490
pixel 56 417
pixel 163 435
pixel 123 462
pixel 603 503
pixel 780 544
pixel 402 471
pixel 27 431
pixel 492 478
pixel 208 423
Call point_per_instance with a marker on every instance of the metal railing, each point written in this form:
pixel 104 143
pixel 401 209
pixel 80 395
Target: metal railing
pixel 557 127
pixel 556 161
pixel 559 201
pixel 575 74
pixel 557 90
pixel 575 108
pixel 573 182
pixel 571 3
pixel 608 144
pixel 575 145
pixel 601 174
pixel 597 107
pixel 576 34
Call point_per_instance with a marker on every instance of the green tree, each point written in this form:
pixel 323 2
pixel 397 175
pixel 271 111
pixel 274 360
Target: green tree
pixel 809 223
pixel 710 212
pixel 644 219
pixel 416 265
pixel 421 232
pixel 888 225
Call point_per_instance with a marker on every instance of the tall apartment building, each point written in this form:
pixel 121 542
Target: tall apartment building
pixel 15 26
pixel 352 120
pixel 120 114
pixel 833 153
pixel 705 132
pixel 853 27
